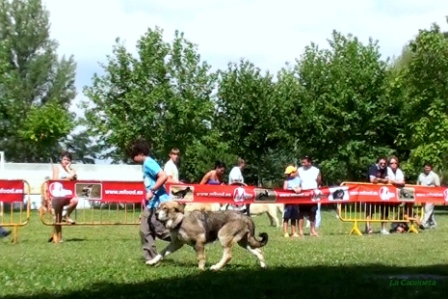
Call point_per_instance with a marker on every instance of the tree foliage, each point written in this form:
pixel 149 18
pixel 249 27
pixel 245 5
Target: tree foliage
pixel 163 94
pixel 344 104
pixel 425 83
pixel 36 87
pixel 250 114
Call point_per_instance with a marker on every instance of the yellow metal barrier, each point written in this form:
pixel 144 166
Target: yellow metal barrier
pixel 379 213
pixel 16 217
pixel 87 213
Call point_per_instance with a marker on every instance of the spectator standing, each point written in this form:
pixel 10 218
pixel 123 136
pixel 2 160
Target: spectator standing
pixel 291 212
pixel 311 179
pixel 236 178
pixel 429 178
pixel 377 174
pixel 394 174
pixel 215 176
pixel 236 175
pixel 170 167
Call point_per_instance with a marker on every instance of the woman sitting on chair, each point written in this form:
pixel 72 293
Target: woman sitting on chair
pixel 63 171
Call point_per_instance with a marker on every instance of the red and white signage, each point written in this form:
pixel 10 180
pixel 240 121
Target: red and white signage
pixel 107 191
pixel 134 192
pixel 12 191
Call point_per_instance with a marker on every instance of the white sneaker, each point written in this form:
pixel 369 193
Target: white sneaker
pixel 385 232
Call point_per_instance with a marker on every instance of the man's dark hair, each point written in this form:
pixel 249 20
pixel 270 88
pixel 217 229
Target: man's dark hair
pixel 308 158
pixel 427 164
pixel 139 147
pixel 381 158
pixel 220 164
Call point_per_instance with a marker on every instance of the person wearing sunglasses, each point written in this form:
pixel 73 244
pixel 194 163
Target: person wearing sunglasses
pixel 396 178
pixel 394 173
pixel 377 174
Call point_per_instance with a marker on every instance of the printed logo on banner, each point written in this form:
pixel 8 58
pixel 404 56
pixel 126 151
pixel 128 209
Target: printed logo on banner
pixel 265 195
pixel 57 190
pixel 316 195
pixel 339 194
pixel 385 193
pixel 182 192
pixel 89 191
pixel 406 194
pixel 240 195
pixel 445 195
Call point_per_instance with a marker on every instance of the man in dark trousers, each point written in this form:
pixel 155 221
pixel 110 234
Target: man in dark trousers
pixel 377 174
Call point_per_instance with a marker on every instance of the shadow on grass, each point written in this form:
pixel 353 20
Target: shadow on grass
pixel 75 240
pixel 372 281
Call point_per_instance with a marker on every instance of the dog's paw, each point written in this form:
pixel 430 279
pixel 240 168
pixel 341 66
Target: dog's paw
pixel 214 268
pixel 263 265
pixel 154 261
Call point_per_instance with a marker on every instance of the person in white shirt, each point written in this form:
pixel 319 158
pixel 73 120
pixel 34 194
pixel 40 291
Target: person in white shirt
pixel 236 178
pixel 394 173
pixel 396 178
pixel 236 175
pixel 311 179
pixel 170 167
pixel 431 179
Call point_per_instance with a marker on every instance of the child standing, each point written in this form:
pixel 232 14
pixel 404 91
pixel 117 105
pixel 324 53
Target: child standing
pixel 154 179
pixel 291 213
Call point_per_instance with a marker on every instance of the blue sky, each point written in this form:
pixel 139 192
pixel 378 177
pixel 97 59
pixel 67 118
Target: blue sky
pixel 267 32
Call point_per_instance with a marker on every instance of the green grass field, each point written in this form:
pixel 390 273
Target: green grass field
pixel 106 262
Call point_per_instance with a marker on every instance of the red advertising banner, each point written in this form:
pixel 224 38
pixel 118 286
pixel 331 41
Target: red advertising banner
pixel 326 195
pixel 107 191
pixel 12 191
pixel 134 192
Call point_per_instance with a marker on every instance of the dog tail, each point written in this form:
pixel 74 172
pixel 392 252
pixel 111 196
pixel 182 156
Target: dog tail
pixel 254 243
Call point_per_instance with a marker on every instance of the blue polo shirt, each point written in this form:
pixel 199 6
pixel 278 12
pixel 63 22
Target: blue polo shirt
pixel 150 171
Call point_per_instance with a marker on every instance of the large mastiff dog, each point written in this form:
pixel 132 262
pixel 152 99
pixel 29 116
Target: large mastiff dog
pixel 199 228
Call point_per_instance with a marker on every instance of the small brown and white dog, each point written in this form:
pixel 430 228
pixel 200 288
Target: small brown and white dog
pixel 199 228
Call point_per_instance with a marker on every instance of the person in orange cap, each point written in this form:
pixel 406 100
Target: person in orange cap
pixel 291 212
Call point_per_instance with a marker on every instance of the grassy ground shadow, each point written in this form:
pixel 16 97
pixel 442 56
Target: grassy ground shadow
pixel 372 281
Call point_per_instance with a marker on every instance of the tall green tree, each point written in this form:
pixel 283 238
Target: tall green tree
pixel 250 115
pixel 426 107
pixel 163 94
pixel 347 119
pixel 37 87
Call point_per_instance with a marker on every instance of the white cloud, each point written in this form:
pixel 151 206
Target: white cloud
pixel 267 32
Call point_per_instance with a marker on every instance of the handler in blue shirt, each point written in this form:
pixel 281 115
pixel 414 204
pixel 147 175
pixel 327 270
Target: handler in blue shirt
pixel 154 179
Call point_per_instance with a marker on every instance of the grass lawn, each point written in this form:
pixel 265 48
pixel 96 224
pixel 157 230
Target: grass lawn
pixel 106 262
